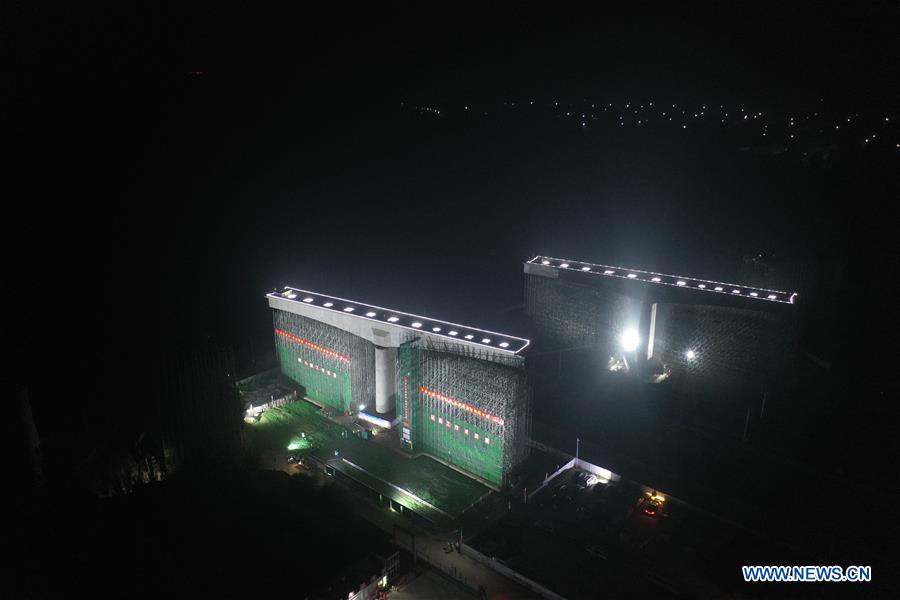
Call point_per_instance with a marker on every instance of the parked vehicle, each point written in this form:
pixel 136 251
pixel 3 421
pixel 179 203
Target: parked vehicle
pixel 653 504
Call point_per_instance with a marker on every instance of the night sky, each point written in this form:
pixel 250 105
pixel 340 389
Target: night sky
pixel 172 166
pixel 167 167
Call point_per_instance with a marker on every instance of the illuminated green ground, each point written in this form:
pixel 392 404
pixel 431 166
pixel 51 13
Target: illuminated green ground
pixel 431 481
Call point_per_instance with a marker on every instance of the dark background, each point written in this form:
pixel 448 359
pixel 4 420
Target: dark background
pixel 149 200
pixel 167 167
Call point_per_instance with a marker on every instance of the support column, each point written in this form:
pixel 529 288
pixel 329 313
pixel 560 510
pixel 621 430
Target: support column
pixel 385 370
pixel 652 334
pixel 647 330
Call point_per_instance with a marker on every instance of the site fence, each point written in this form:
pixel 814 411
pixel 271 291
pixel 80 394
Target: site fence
pixel 551 477
pixel 575 463
pixel 509 573
pixel 276 402
pixel 467 582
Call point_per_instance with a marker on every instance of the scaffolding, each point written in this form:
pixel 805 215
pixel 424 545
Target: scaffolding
pixel 726 344
pixel 334 366
pixel 466 407
pixel 566 314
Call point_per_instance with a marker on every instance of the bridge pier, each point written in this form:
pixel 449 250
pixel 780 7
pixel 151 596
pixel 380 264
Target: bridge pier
pixel 647 326
pixel 385 369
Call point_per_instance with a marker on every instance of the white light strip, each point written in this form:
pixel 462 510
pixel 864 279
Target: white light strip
pixel 678 281
pixel 309 298
pixel 384 423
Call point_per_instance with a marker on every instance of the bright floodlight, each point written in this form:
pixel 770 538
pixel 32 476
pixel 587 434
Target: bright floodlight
pixel 291 295
pixel 771 296
pixel 545 262
pixel 349 309
pixel 564 265
pixel 630 340
pixel 485 340
pixel 679 282
pixel 754 294
pixel 453 332
pixel 504 344
pixel 735 291
pixel 393 319
pixel 585 268
pixel 718 288
pixel 656 279
pixel 608 272
pixel 416 324
pixel 328 304
pixel 690 355
pixel 702 286
pixel 469 336
pixel 307 299
pixel 362 407
pixel 435 329
pixel 370 314
pixel 632 275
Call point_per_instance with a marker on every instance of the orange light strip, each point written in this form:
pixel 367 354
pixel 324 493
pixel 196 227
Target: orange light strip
pixel 316 347
pixel 462 405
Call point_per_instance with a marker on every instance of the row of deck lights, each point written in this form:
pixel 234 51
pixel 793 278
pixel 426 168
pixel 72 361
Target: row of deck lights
pixel 291 295
pixel 656 279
